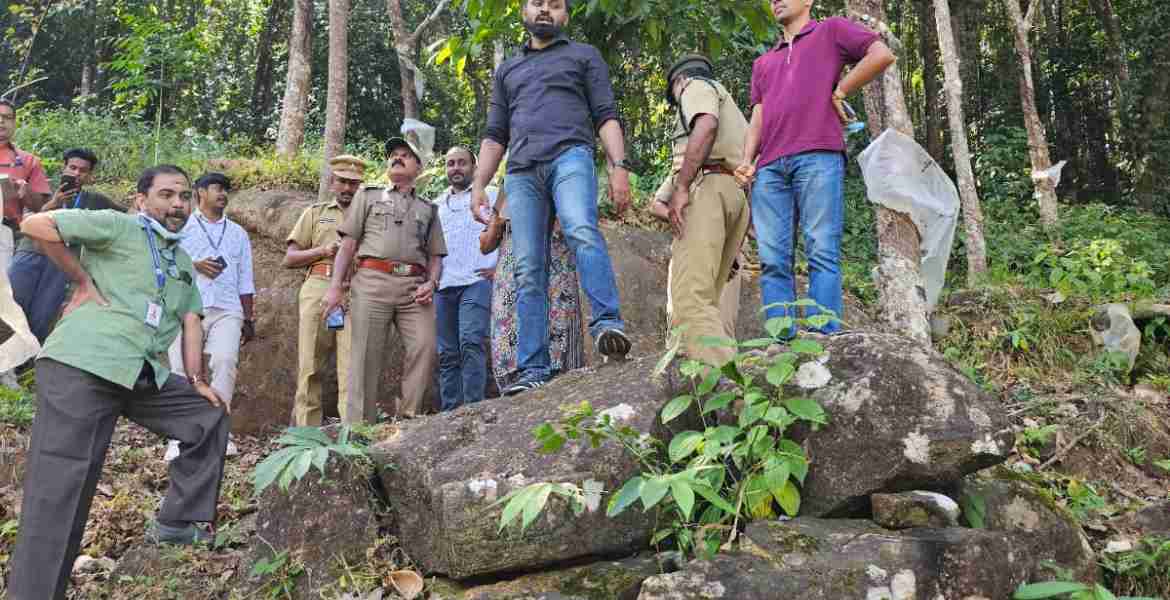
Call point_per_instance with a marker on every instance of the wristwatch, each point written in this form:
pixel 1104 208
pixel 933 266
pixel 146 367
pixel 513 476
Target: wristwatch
pixel 626 164
pixel 196 380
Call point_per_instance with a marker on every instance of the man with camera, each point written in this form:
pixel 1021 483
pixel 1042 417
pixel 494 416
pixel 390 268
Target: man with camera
pixel 37 284
pixel 222 255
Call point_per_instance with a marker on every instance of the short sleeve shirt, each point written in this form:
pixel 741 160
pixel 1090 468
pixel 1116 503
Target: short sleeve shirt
pixel 700 97
pixel 113 341
pixel 461 234
pixel 83 200
pixel 391 225
pixel 317 226
pixel 18 164
pixel 204 239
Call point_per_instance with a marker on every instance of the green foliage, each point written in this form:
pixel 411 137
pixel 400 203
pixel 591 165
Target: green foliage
pixel 1067 589
pixel 1145 570
pixel 304 448
pixel 281 573
pixel 1034 439
pixel 17 407
pixel 705 479
pixel 1099 269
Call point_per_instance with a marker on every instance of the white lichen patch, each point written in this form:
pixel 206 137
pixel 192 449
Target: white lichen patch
pixel 987 445
pixel 979 417
pixel 591 490
pixel 856 396
pixel 879 593
pixel 813 376
pixel 621 412
pixel 1021 515
pixel 904 586
pixel 876 574
pixel 484 488
pixel 916 448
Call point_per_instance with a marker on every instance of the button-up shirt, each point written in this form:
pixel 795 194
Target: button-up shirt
pixel 392 225
pixel 112 342
pixel 205 239
pixel 83 200
pixel 316 227
pixel 461 232
pixel 18 164
pixel 547 101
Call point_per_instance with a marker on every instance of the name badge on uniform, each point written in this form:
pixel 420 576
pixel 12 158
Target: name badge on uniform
pixel 153 314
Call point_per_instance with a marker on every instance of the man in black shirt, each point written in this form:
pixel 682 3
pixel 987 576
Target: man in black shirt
pixel 549 103
pixel 37 284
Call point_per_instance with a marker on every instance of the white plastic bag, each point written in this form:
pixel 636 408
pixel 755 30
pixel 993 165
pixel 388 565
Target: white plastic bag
pixel 23 344
pixel 423 137
pixel 900 175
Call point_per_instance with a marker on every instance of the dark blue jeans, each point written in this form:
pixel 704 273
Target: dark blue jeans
pixel 463 316
pixel 805 190
pixel 564 188
pixel 39 288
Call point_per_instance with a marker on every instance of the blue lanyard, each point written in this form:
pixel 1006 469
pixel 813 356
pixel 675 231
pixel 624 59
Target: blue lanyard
pixel 77 199
pixel 160 277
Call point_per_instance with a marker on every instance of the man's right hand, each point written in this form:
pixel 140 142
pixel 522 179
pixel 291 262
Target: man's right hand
pixel 745 174
pixel 330 250
pixel 332 300
pixel 479 199
pixel 85 292
pixel 208 267
pixel 61 198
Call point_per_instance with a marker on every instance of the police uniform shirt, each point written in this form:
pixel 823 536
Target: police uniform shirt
pixel 704 96
pixel 391 225
pixel 317 227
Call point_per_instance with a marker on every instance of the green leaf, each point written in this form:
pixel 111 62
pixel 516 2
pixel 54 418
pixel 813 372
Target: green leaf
pixel 789 499
pixel 724 434
pixel 535 504
pixel 626 496
pixel 684 496
pixel 676 407
pixel 805 303
pixel 752 413
pixel 975 510
pixel 759 498
pixel 803 346
pixel 1048 589
pixel 684 444
pixel 320 457
pixel 300 466
pixel 779 326
pixel 719 401
pixel 714 498
pixel 515 502
pixel 780 373
pixel 271 468
pixel 709 383
pixel 653 491
pixel 807 409
pixel 776 477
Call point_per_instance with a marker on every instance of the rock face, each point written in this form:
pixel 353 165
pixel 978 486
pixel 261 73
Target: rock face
pixel 914 509
pixel 318 520
pixel 816 559
pixel 1048 531
pixel 442 475
pixel 900 419
pixel 609 580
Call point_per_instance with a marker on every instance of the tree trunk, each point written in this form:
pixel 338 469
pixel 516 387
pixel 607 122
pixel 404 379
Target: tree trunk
pixel 89 52
pixel 1037 138
pixel 901 293
pixel 296 91
pixel 1112 27
pixel 338 93
pixel 929 43
pixel 967 25
pixel 405 44
pixel 972 211
pixel 262 80
pixel 1155 105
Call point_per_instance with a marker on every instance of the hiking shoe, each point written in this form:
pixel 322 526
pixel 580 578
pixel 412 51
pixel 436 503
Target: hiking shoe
pixel 613 344
pixel 523 386
pixel 179 536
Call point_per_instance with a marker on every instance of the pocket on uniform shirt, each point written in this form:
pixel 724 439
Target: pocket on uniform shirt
pixel 379 219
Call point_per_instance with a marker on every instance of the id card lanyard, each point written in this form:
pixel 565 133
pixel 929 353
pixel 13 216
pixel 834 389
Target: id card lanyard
pixel 154 309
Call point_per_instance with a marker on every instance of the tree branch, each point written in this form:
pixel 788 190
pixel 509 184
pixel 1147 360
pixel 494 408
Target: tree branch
pixel 1030 18
pixel 413 39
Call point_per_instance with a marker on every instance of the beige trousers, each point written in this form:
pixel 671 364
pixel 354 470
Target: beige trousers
pixel 716 222
pixel 314 344
pixel 221 340
pixel 379 300
pixel 22 345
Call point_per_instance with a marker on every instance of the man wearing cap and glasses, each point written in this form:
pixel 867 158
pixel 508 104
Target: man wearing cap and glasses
pixel 397 241
pixel 312 245
pixel 705 205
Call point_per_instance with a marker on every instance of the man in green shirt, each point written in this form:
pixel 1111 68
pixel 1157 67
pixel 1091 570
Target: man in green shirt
pixel 134 294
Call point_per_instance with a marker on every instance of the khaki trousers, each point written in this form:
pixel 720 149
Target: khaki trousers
pixel 314 344
pixel 728 301
pixel 221 340
pixel 379 300
pixel 716 221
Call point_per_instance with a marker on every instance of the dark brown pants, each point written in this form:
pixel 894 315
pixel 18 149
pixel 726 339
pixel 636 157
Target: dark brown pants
pixel 76 414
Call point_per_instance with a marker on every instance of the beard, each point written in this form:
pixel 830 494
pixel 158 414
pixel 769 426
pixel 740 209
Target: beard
pixel 543 31
pixel 457 180
pixel 174 221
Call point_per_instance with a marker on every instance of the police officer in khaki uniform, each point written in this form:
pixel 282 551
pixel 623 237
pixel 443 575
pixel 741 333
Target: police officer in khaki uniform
pixel 312 245
pixel 398 244
pixel 707 209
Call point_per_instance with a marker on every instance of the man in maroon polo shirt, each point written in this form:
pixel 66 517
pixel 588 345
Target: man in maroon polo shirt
pixel 794 149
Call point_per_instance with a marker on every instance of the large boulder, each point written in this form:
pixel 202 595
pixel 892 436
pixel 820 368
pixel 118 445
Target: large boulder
pixel 900 418
pixel 607 580
pixel 843 559
pixel 444 474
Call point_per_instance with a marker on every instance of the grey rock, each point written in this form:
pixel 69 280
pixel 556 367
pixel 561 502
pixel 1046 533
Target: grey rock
pixel 606 580
pixel 940 327
pixel 908 510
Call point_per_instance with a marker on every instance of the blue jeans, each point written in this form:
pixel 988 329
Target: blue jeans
pixel 564 188
pixel 463 316
pixel 38 286
pixel 805 190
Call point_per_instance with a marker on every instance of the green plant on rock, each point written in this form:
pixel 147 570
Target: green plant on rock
pixel 304 448
pixel 281 572
pixel 1143 570
pixel 1068 589
pixel 705 480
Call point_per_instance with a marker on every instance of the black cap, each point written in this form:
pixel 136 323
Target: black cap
pixel 683 62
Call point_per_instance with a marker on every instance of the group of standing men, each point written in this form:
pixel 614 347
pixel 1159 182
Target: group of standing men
pixel 133 285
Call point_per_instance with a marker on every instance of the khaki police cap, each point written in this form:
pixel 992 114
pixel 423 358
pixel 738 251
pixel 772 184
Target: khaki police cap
pixel 408 142
pixel 348 167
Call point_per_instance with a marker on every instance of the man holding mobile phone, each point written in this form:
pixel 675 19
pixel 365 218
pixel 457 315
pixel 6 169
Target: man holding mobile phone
pixel 37 284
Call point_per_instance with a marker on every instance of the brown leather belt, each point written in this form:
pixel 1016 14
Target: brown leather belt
pixel 399 269
pixel 718 169
pixel 322 269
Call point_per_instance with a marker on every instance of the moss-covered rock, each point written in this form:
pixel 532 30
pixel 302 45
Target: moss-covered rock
pixel 608 580
pixel 908 510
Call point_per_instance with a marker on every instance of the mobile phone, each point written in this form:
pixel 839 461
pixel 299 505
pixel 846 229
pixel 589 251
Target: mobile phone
pixel 219 260
pixel 335 319
pixel 69 182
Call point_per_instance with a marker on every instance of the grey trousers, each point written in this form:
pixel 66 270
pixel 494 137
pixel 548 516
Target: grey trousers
pixel 76 413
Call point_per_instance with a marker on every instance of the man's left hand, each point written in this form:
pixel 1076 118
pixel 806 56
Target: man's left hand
pixel 488 274
pixel 619 190
pixel 248 331
pixel 425 293
pixel 839 105
pixel 679 201
pixel 213 398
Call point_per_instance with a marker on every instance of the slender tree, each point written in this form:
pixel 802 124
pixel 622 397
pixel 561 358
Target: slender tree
pixel 929 44
pixel 406 46
pixel 262 79
pixel 296 91
pixel 972 211
pixel 338 92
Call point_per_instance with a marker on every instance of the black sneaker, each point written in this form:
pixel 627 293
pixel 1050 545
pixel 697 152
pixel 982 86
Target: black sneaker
pixel 523 386
pixel 613 344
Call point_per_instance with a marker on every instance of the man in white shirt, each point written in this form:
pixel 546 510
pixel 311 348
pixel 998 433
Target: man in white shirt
pixel 222 254
pixel 464 301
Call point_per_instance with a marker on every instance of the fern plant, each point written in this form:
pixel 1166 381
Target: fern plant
pixel 304 448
